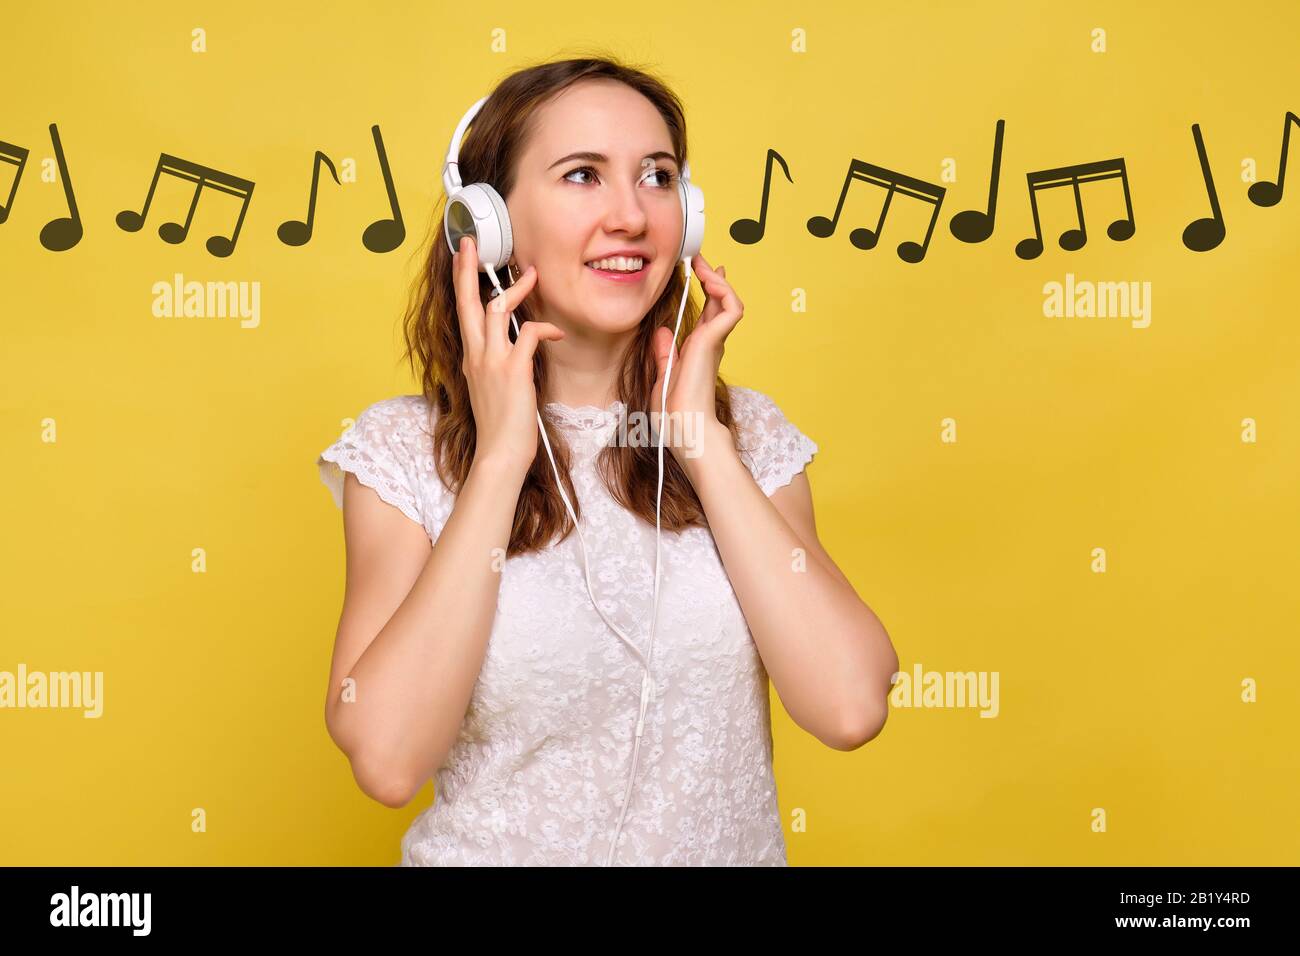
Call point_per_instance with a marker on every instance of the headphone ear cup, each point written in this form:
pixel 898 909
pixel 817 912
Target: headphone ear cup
pixel 478 211
pixel 501 226
pixel 692 200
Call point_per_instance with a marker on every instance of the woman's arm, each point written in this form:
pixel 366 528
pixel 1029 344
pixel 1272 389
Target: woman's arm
pixel 414 628
pixel 827 653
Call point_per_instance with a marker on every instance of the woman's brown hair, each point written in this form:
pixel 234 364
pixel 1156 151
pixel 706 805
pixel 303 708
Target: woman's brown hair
pixel 434 349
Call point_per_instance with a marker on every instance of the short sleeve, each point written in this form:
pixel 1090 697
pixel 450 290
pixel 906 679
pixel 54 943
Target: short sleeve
pixel 388 448
pixel 770 445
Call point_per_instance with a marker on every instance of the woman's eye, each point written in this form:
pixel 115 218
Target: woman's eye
pixel 667 182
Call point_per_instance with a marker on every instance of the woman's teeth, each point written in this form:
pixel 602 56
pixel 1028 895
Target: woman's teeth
pixel 617 264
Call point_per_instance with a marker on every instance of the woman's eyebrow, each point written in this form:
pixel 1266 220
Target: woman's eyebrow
pixel 602 158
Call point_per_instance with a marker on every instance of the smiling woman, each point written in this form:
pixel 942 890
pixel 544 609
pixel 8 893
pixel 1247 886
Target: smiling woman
pixel 471 647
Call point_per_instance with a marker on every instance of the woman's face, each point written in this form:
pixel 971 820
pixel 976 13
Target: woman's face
pixel 568 211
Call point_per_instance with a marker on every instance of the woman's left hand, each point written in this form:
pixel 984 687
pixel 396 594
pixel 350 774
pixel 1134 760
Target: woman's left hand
pixel 692 389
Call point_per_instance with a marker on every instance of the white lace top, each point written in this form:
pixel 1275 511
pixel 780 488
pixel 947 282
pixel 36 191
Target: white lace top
pixel 538 772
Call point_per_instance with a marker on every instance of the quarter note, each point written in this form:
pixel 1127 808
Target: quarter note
pixel 1202 235
pixel 863 238
pixel 750 231
pixel 9 153
pixel 174 232
pixel 974 225
pixel 1270 194
pixel 60 235
pixel 295 232
pixel 1077 238
pixel 385 235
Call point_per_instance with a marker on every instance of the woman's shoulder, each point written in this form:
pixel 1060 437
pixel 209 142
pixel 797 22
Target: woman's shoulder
pixel 756 414
pixel 748 403
pixel 404 425
pixel 770 444
pixel 389 447
pixel 408 414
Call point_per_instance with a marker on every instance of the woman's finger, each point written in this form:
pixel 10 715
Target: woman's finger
pixel 723 310
pixel 725 322
pixel 664 346
pixel 496 321
pixel 717 289
pixel 499 308
pixel 530 333
pixel 710 304
pixel 469 306
pixel 700 264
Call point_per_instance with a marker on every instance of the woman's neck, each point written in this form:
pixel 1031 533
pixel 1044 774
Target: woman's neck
pixel 584 370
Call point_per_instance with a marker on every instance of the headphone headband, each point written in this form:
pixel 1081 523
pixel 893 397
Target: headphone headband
pixel 451 169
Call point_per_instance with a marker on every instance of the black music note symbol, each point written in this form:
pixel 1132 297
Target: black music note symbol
pixel 822 227
pixel 385 235
pixel 1270 194
pixel 174 232
pixel 1202 235
pixel 750 231
pixel 60 235
pixel 974 225
pixel 1073 239
pixel 294 232
pixel 9 153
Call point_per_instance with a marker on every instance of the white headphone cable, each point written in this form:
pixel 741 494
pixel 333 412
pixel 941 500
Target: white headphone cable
pixel 647 682
pixel 654 619
pixel 547 442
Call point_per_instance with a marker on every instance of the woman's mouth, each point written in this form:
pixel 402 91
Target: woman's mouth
pixel 620 269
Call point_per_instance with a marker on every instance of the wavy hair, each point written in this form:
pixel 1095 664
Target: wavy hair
pixel 488 154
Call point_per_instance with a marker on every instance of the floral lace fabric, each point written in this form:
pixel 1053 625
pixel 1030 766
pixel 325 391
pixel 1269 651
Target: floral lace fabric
pixel 541 762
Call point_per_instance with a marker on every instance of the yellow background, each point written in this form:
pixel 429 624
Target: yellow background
pixel 1118 690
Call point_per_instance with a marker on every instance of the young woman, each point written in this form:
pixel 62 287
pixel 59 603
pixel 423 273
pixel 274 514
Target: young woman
pixel 469 648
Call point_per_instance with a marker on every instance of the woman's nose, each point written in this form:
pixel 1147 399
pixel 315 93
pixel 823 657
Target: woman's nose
pixel 625 212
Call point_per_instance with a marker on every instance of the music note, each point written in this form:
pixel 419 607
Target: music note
pixel 294 232
pixel 974 225
pixel 750 231
pixel 821 227
pixel 385 235
pixel 1073 239
pixel 60 235
pixel 9 153
pixel 1202 235
pixel 174 232
pixel 1270 194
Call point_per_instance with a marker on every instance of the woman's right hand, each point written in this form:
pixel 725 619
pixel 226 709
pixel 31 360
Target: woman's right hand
pixel 499 374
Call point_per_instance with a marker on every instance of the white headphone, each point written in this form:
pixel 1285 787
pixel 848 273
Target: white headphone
pixel 478 211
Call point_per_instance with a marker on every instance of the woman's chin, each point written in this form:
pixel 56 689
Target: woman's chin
pixel 608 321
